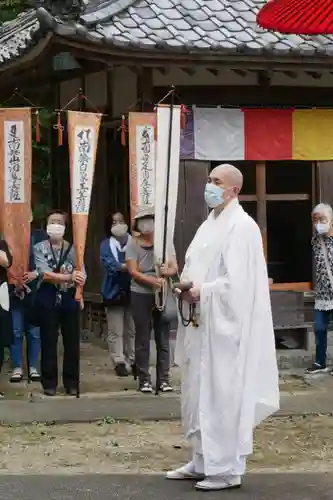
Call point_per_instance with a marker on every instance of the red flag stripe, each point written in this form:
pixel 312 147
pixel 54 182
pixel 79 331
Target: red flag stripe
pixel 268 134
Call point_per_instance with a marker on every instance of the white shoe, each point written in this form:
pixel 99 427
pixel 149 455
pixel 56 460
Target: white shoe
pixel 186 472
pixel 212 483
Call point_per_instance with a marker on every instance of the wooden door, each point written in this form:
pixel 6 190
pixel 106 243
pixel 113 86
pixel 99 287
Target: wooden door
pixel 191 207
pixel 325 181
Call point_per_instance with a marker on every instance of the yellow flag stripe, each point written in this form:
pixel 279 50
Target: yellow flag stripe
pixel 313 134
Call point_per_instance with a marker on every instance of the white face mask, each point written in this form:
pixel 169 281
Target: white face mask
pixel 119 230
pixel 322 227
pixel 55 230
pixel 146 226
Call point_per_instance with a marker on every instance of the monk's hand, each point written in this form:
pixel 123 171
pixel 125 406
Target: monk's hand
pixel 167 270
pixel 158 283
pixel 186 297
pixel 195 294
pixel 79 278
pixel 30 276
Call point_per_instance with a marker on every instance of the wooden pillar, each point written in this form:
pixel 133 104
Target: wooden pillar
pixel 261 202
pixel 145 89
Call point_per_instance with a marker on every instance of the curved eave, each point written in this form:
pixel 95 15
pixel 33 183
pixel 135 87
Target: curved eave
pixel 187 53
pixel 28 53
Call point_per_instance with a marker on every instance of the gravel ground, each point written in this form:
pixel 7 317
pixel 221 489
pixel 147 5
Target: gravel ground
pixel 281 444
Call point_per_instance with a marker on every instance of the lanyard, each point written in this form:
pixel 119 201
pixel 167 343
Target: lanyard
pixel 57 262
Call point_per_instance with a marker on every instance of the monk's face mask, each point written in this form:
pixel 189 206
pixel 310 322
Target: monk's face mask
pixel 214 195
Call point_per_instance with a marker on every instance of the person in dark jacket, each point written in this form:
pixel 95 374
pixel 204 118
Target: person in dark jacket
pixel 115 293
pixel 22 323
pixel 6 261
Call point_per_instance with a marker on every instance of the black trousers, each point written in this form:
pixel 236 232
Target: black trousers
pixel 145 315
pixel 68 322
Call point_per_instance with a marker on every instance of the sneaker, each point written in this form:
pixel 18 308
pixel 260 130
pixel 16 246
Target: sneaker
pixel 185 472
pixel 50 392
pixel 17 376
pixel 316 368
pixel 165 387
pixel 70 391
pixel 2 395
pixel 34 375
pixel 121 370
pixel 146 388
pixel 214 483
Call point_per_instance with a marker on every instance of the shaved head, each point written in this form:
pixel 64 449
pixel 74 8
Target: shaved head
pixel 228 175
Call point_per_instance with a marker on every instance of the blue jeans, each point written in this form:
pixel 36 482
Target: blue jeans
pixel 20 327
pixel 322 319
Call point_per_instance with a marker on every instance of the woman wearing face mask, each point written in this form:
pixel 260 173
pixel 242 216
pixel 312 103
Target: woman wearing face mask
pixel 322 246
pixel 140 262
pixel 55 264
pixel 115 292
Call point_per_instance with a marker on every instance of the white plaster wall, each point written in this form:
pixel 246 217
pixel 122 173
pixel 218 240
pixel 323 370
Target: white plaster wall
pixel 124 86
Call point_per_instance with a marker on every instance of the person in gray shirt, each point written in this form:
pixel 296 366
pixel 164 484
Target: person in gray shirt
pixel 140 262
pixel 55 264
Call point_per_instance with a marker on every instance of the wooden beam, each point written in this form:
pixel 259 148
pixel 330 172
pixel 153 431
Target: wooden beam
pixel 291 287
pixel 314 74
pixel 261 205
pixel 145 89
pixel 239 72
pixel 165 70
pixel 213 71
pixel 247 197
pixel 189 71
pixel 290 74
pixel 288 197
pixel 264 78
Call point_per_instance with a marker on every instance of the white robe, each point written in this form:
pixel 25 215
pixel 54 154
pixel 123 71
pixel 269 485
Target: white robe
pixel 229 366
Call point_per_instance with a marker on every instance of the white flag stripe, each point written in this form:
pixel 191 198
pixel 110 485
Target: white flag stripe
pixel 163 121
pixel 218 134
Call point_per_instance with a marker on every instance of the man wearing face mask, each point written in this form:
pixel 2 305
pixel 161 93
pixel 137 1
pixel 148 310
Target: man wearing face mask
pixel 227 359
pixel 140 262
pixel 55 264
pixel 115 292
pixel 322 247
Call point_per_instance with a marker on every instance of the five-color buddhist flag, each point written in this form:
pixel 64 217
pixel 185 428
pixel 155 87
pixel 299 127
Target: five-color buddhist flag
pixel 221 134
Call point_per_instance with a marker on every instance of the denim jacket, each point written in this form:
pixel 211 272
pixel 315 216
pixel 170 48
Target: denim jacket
pixel 114 278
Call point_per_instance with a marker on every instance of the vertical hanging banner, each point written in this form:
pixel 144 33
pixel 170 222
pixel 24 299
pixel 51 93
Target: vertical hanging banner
pixel 83 132
pixel 141 128
pixel 15 186
pixel 166 174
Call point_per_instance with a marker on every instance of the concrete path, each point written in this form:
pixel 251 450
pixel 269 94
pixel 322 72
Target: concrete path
pixel 137 407
pixel 145 487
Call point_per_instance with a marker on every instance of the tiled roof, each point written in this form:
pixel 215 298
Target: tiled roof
pixel 205 26
pixel 220 25
pixel 17 36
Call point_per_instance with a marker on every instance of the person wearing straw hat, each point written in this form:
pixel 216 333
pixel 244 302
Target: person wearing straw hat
pixel 140 262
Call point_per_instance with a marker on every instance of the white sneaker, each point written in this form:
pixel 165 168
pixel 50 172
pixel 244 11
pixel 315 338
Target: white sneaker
pixel 212 483
pixel 185 472
pixel 17 375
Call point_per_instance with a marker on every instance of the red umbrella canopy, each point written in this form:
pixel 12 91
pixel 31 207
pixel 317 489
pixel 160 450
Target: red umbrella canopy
pixel 299 17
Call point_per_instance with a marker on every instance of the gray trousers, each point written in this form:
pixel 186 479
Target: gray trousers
pixel 121 334
pixel 145 315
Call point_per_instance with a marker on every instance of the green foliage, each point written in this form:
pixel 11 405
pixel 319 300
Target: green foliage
pixel 9 9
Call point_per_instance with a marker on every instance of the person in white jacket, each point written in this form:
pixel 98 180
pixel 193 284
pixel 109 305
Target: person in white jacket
pixel 228 360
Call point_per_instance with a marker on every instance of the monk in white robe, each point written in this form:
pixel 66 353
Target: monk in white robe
pixel 228 360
